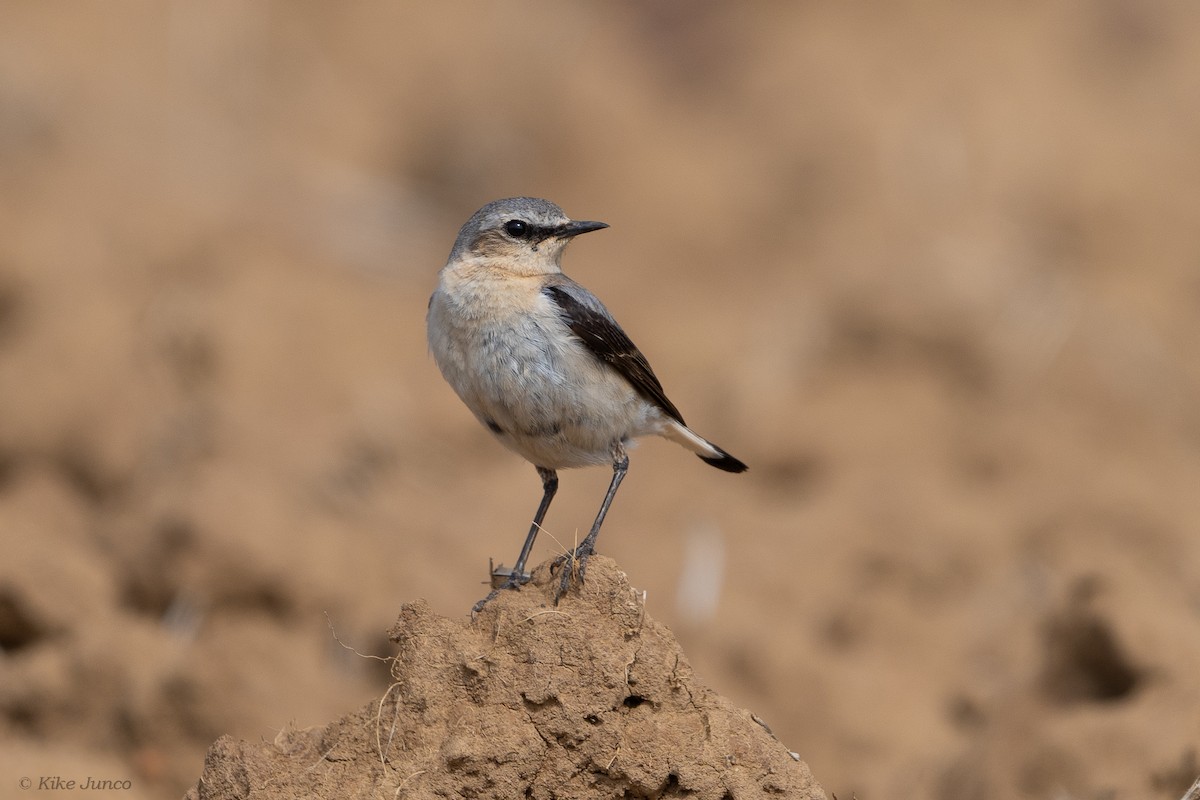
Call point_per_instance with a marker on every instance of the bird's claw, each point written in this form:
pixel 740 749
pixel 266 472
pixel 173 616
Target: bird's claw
pixel 502 578
pixel 505 578
pixel 572 564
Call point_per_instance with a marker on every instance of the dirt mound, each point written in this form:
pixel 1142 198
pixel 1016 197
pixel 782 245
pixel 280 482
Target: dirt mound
pixel 592 698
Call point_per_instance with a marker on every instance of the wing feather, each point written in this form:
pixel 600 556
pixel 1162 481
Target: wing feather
pixel 588 319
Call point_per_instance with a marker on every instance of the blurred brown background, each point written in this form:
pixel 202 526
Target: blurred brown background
pixel 931 269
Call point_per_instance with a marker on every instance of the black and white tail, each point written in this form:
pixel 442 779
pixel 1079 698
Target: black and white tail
pixel 708 452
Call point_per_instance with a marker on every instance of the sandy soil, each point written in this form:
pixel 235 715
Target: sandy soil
pixel 584 696
pixel 932 270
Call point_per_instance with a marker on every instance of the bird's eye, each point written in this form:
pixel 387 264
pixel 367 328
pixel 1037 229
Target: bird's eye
pixel 517 229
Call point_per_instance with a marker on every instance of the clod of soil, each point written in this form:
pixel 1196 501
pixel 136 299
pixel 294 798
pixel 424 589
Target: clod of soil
pixel 591 698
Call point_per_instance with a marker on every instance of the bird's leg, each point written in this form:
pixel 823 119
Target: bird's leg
pixel 549 487
pixel 576 561
pixel 511 579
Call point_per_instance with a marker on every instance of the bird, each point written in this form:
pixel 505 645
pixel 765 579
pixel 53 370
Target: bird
pixel 543 365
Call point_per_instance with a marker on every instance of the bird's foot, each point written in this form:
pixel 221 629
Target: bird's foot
pixel 502 579
pixel 572 564
pixel 505 578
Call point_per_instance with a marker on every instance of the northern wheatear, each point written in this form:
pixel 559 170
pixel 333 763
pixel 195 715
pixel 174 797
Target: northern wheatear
pixel 540 361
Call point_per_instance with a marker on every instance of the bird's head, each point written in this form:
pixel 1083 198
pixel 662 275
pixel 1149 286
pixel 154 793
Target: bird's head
pixel 525 235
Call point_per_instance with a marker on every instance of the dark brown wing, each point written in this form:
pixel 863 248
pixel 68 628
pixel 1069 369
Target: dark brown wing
pixel 588 319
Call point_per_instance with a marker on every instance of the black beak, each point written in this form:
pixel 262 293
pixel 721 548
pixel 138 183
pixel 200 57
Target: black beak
pixel 577 227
